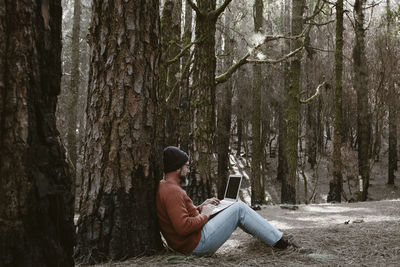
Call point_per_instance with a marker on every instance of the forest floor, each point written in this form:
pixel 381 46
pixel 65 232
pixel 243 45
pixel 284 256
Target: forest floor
pixel 338 234
pixel 347 234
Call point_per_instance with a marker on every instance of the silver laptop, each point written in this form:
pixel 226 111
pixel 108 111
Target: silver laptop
pixel 231 193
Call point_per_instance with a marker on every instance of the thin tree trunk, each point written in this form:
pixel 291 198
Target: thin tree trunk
pixel 361 87
pixel 311 129
pixel 336 183
pixel 74 85
pixel 36 199
pixel 392 102
pixel 225 112
pixel 171 35
pixel 121 164
pixel 282 161
pixel 257 191
pixel 185 98
pixel 288 193
pixel 239 134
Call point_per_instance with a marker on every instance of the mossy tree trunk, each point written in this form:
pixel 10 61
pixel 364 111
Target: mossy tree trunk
pixel 225 112
pixel 360 84
pixel 121 162
pixel 311 120
pixel 36 200
pixel 336 183
pixel 203 101
pixel 170 41
pixel 288 192
pixel 282 161
pixel 257 189
pixel 185 97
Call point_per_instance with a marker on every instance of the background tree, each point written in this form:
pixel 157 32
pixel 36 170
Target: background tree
pixel 392 95
pixel 169 88
pixel 185 97
pixel 36 200
pixel 361 86
pixel 75 65
pixel 207 14
pixel 74 84
pixel 282 161
pixel 288 193
pixel 121 166
pixel 224 113
pixel 336 183
pixel 257 188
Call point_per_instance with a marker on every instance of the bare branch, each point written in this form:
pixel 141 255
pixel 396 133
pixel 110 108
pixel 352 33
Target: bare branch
pixel 351 21
pixel 275 61
pixel 370 17
pixel 372 5
pixel 320 24
pixel 178 56
pixel 244 60
pixel 185 70
pixel 221 9
pixel 317 92
pixel 224 77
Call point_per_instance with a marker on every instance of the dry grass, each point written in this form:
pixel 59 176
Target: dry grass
pixel 370 238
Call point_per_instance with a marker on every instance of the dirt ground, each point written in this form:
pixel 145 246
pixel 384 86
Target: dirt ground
pixel 346 234
pixel 351 234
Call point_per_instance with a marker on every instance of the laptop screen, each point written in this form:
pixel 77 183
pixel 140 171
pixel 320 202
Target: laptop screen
pixel 233 186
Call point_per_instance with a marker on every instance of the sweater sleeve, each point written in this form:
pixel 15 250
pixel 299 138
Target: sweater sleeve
pixel 178 211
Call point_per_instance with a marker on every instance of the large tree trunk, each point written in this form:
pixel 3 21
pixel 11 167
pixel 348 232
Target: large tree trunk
pixel 118 213
pixel 36 200
pixel 185 89
pixel 199 188
pixel 336 183
pixel 361 87
pixel 288 193
pixel 170 40
pixel 282 161
pixel 225 112
pixel 257 190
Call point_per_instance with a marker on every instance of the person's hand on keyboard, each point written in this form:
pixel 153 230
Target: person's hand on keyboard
pixel 213 201
pixel 207 209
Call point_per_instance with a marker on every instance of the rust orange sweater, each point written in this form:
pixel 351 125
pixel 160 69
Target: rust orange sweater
pixel 180 221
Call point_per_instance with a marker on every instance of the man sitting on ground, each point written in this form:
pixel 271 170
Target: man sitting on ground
pixel 189 229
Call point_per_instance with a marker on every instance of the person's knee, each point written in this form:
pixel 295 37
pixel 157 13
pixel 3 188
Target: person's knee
pixel 242 205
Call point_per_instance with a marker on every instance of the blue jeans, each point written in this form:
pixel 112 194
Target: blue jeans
pixel 218 229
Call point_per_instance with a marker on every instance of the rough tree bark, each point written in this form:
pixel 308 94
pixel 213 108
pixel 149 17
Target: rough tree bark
pixel 36 200
pixel 121 161
pixel 282 161
pixel 311 120
pixel 225 112
pixel 361 86
pixel 185 97
pixel 257 189
pixel 201 179
pixel 288 193
pixel 170 41
pixel 336 183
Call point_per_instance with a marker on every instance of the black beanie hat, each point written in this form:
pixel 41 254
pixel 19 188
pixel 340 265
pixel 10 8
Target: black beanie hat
pixel 174 158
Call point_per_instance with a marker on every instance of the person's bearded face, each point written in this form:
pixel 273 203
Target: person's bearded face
pixel 183 174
